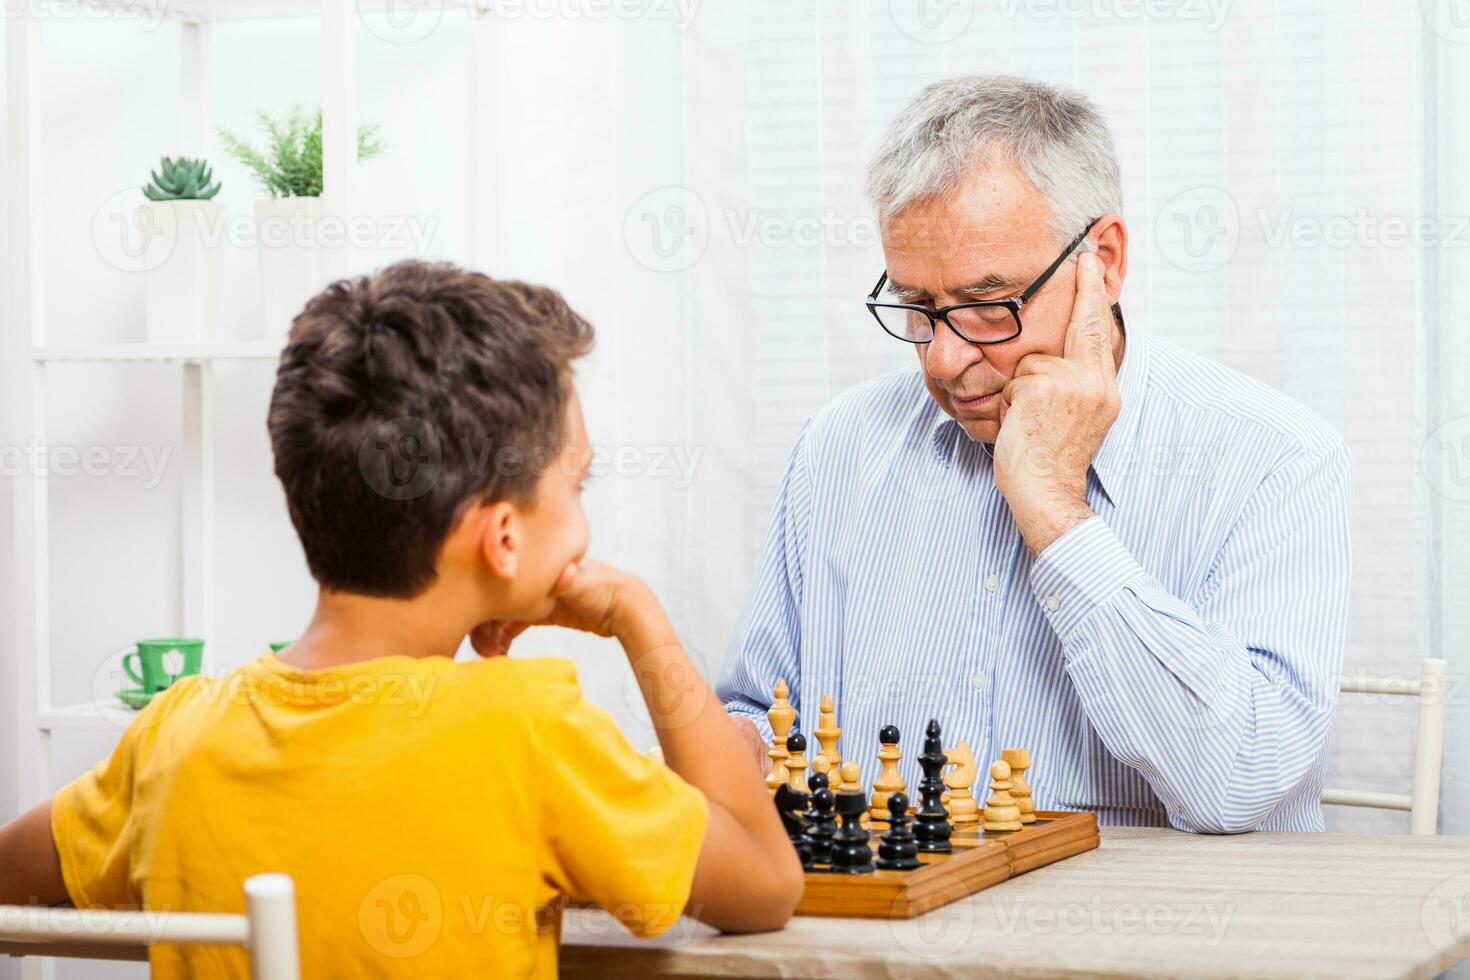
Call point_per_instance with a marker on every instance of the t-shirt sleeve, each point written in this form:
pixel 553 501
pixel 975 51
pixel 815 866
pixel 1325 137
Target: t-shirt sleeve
pixel 625 830
pixel 92 819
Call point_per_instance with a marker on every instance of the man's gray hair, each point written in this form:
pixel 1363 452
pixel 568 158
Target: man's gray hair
pixel 1057 138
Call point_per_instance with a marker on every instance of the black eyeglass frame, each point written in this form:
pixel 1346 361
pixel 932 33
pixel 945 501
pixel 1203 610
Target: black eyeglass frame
pixel 1013 303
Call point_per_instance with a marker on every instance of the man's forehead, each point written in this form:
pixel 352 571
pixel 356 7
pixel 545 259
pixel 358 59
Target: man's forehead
pixel 983 266
pixel 995 211
pixel 937 228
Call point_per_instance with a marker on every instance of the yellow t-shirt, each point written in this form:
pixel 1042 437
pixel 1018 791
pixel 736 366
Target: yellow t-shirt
pixel 431 814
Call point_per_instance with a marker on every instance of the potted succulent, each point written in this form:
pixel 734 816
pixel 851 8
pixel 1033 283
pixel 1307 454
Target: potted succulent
pixel 182 288
pixel 289 169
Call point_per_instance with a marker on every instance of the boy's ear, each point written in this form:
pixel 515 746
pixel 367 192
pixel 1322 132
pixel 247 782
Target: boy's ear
pixel 500 540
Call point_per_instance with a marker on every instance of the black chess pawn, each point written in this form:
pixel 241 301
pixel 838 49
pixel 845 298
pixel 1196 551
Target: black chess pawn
pixel 795 749
pixel 897 849
pixel 821 824
pixel 852 852
pixel 791 806
pixel 931 822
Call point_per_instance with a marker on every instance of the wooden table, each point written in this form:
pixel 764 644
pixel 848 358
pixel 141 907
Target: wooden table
pixel 1147 902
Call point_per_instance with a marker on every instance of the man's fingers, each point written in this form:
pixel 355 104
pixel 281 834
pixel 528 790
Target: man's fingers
pixel 759 750
pixel 1012 390
pixel 1090 331
pixel 1036 363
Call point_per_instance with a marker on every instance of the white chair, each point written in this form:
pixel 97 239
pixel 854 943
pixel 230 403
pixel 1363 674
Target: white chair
pixel 267 930
pixel 1423 802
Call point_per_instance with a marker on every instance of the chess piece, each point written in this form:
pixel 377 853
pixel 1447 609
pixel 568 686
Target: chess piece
pixel 852 782
pixel 1020 760
pixel 827 733
pixel 852 851
pixel 931 823
pixel 962 806
pixel 791 805
pixel 823 765
pixel 888 781
pixel 897 849
pixel 796 761
pixel 781 716
pixel 1001 812
pixel 821 823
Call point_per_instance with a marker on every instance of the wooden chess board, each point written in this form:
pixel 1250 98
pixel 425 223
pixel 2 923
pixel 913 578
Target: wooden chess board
pixel 978 861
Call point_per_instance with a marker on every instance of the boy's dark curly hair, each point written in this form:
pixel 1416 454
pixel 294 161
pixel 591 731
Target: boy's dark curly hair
pixel 404 396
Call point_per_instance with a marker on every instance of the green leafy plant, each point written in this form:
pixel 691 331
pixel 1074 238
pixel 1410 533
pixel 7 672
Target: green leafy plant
pixel 181 179
pixel 291 163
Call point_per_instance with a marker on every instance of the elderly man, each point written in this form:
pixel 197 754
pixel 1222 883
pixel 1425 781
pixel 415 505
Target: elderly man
pixel 1058 532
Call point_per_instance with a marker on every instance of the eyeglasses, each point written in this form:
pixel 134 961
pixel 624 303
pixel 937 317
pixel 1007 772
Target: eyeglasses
pixel 989 322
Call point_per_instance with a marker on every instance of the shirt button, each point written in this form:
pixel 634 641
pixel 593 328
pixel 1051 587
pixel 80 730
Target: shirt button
pixel 979 680
pixel 1052 603
pixel 992 584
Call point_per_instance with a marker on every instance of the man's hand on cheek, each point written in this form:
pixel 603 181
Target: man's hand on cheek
pixel 1055 413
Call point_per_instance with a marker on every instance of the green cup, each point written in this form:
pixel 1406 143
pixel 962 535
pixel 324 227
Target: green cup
pixel 154 660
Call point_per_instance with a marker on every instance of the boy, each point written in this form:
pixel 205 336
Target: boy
pixel 432 813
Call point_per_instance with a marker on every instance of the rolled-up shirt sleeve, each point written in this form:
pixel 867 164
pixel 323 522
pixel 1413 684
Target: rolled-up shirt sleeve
pixel 766 646
pixel 1223 699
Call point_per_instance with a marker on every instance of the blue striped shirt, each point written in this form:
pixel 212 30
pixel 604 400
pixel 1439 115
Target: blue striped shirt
pixel 1173 660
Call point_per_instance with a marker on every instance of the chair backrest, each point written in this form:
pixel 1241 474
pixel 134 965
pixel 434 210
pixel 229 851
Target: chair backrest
pixel 1423 802
pixel 267 930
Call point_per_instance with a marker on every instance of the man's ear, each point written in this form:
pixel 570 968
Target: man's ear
pixel 500 538
pixel 1111 236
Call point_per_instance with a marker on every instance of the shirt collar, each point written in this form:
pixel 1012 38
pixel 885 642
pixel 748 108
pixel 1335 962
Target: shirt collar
pixel 1113 461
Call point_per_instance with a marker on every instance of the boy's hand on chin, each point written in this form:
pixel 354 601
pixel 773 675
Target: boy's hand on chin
pixel 493 638
pixel 590 597
pixel 594 598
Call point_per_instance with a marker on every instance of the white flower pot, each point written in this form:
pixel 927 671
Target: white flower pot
pixel 290 260
pixel 181 281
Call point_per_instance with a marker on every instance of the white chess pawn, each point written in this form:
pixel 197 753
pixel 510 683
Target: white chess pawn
pixel 1001 811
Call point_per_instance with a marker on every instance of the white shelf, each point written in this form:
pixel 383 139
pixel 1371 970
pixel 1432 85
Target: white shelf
pixel 214 11
pixel 108 717
pixel 195 353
